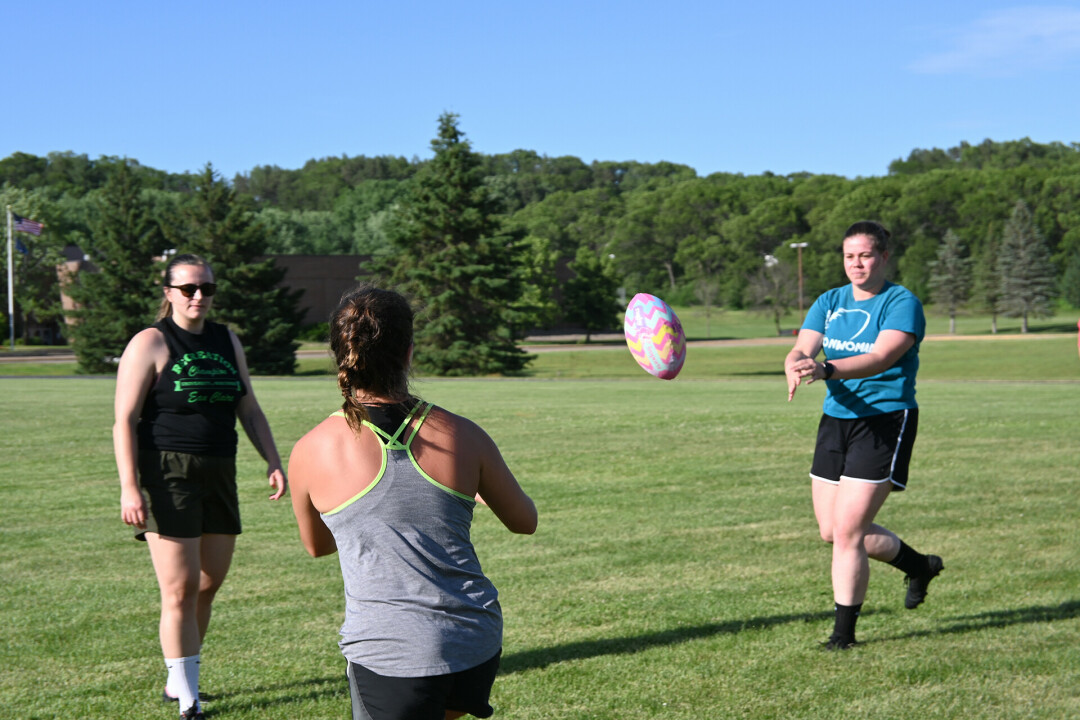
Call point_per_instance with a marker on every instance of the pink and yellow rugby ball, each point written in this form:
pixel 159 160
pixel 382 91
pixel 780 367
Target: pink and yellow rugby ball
pixel 655 336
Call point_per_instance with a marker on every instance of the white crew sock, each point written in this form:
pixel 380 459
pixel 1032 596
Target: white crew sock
pixel 183 680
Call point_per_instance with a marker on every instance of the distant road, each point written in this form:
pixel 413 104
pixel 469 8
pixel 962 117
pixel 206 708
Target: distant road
pixel 37 355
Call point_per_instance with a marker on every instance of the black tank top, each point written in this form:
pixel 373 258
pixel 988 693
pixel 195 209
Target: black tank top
pixel 389 417
pixel 191 407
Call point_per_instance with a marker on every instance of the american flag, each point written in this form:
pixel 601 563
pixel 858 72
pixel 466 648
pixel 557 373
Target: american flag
pixel 27 225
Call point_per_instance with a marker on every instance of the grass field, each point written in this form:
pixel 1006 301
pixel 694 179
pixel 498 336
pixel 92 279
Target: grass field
pixel 675 574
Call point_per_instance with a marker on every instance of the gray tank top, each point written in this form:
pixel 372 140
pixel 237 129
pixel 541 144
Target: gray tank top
pixel 416 601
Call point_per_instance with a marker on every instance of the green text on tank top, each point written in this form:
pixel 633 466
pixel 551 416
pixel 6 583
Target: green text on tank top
pixel 393 443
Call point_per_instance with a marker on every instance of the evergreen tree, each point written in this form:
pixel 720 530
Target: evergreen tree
pixel 219 226
pixel 452 258
pixel 125 243
pixel 589 298
pixel 1027 275
pixel 986 279
pixel 950 277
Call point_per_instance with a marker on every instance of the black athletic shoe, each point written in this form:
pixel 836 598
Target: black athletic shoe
pixel 836 643
pixel 192 713
pixel 917 585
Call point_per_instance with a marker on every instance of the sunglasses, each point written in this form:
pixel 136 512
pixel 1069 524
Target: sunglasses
pixel 207 289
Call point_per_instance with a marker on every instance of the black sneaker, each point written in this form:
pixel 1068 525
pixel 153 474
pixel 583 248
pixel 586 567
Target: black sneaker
pixel 192 713
pixel 917 585
pixel 837 643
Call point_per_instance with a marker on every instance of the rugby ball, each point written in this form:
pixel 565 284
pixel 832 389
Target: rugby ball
pixel 655 336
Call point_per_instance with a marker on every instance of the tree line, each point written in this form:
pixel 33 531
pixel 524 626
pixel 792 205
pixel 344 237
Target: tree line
pixel 126 230
pixel 991 227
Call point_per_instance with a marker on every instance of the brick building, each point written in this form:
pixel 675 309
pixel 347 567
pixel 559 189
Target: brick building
pixel 322 278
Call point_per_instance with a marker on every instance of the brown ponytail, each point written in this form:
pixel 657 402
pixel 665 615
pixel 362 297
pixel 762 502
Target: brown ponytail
pixel 371 333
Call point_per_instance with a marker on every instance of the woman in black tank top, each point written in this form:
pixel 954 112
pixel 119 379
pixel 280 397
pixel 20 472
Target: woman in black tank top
pixel 181 385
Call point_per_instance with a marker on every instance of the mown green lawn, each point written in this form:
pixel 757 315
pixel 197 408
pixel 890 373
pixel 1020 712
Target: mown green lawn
pixel 676 572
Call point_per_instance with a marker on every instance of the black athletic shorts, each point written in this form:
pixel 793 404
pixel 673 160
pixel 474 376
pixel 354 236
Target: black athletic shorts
pixel 872 449
pixel 378 697
pixel 188 496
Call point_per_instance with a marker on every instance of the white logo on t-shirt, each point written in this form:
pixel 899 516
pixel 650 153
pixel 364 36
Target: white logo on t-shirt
pixel 837 313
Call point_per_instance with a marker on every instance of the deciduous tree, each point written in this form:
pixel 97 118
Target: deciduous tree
pixel 34 263
pixel 773 289
pixel 590 296
pixel 1070 281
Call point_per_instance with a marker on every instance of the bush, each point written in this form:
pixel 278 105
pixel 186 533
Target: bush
pixel 318 332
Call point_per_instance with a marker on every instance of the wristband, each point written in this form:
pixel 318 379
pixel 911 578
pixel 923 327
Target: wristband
pixel 829 369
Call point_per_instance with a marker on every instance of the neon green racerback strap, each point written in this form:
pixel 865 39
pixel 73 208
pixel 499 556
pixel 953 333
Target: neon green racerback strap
pixel 392 442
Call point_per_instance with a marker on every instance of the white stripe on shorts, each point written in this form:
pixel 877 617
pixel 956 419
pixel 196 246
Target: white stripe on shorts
pixel 892 465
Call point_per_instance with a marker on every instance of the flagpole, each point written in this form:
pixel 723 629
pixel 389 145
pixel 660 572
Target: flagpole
pixel 10 283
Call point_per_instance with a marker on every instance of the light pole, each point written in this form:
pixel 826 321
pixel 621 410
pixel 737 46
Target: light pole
pixel 799 247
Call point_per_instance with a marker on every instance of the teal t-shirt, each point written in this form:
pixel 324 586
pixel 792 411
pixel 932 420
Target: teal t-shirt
pixel 850 328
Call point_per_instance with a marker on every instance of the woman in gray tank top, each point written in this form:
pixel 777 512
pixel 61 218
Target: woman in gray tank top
pixel 390 482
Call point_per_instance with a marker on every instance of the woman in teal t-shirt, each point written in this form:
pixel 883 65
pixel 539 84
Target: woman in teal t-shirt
pixel 870 332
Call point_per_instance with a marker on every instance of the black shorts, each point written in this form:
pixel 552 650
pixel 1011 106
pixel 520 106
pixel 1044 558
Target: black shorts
pixel 188 496
pixel 873 449
pixel 377 697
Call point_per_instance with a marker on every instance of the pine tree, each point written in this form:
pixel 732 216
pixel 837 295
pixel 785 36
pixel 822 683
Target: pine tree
pixel 217 225
pixel 120 299
pixel 1027 275
pixel 986 279
pixel 451 257
pixel 950 277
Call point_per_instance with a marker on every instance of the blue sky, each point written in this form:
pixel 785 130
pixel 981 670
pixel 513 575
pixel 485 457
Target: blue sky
pixel 840 87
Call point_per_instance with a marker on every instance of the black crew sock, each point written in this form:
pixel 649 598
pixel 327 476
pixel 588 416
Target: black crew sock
pixel 910 561
pixel 844 624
